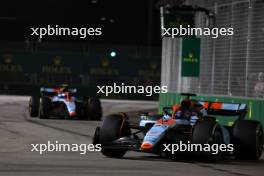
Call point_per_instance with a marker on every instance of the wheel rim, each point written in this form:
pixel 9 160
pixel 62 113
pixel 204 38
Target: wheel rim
pixel 217 139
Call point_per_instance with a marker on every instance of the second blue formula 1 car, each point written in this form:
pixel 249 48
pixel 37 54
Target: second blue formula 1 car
pixel 62 102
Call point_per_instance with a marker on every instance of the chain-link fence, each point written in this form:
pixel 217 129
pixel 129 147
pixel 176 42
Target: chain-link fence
pixel 234 65
pixel 230 65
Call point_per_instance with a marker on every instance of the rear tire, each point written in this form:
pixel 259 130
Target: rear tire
pixel 114 127
pixel 208 132
pixel 94 109
pixel 44 108
pixel 248 139
pixel 33 106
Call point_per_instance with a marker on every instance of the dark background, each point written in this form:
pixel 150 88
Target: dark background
pixel 130 22
pixel 131 28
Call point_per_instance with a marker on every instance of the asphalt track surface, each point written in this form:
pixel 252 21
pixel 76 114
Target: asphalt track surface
pixel 18 131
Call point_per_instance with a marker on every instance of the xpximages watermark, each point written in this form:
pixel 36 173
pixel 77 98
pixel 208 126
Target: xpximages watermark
pixel 61 147
pixel 189 147
pixel 128 89
pixel 194 31
pixel 65 31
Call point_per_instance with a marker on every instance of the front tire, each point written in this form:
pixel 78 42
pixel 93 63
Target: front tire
pixel 208 132
pixel 248 139
pixel 44 108
pixel 33 106
pixel 114 127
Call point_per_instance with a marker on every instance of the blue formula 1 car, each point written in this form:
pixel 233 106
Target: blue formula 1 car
pixel 62 102
pixel 191 122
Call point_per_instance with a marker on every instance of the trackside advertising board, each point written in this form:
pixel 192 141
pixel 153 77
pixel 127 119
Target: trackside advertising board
pixel 190 57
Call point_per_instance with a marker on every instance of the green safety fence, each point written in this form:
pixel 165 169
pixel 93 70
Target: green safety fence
pixel 255 106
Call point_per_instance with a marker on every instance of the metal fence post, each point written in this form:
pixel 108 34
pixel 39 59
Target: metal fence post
pixel 230 55
pixel 213 57
pixel 248 45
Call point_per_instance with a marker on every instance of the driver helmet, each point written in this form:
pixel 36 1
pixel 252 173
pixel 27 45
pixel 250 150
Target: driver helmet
pixel 185 104
pixel 64 88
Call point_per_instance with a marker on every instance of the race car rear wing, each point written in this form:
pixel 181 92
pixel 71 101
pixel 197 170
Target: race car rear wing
pixel 53 91
pixel 225 109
